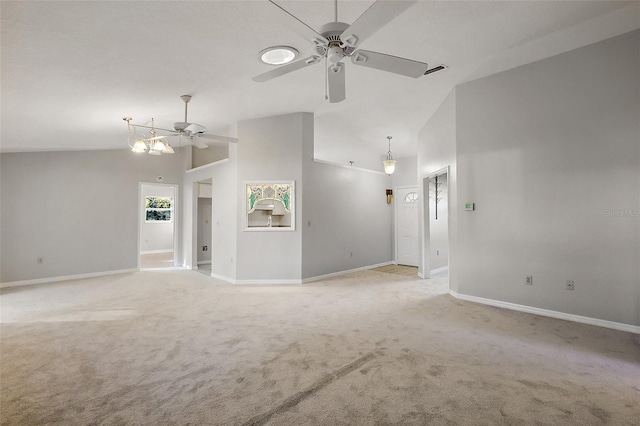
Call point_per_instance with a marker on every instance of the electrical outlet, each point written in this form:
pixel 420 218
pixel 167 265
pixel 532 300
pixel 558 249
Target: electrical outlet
pixel 529 280
pixel 437 252
pixel 40 260
pixel 569 285
pixel 205 248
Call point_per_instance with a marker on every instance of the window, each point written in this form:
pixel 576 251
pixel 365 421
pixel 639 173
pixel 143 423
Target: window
pixel 158 209
pixel 411 197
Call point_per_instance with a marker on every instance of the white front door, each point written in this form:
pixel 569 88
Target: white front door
pixel 406 201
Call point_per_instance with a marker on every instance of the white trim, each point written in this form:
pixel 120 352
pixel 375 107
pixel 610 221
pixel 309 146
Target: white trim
pixel 254 282
pixel 203 262
pixel 440 269
pixel 548 313
pixel 267 282
pixel 335 274
pixel 66 278
pixel 206 166
pixel 163 268
pixel 156 251
pixel 223 278
pixel 296 281
pixel 420 275
pixel 329 163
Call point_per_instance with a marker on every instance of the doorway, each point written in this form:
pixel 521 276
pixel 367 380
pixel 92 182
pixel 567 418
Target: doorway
pixel 437 224
pixel 203 231
pixel 157 226
pixel 407 201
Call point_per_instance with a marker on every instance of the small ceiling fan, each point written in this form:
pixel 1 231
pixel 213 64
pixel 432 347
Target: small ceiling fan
pixel 193 133
pixel 336 41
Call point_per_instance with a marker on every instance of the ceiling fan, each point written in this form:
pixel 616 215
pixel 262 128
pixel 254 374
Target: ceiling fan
pixel 193 133
pixel 336 41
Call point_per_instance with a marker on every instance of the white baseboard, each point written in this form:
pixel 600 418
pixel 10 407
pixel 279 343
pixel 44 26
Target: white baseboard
pixel 348 271
pixel 204 262
pixel 297 281
pixel 164 268
pixel 420 275
pixel 223 278
pixel 548 313
pixel 254 282
pixel 441 269
pixel 65 278
pixel 267 282
pixel 156 251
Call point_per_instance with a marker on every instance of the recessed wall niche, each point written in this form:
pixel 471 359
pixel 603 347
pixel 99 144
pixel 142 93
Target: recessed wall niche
pixel 270 206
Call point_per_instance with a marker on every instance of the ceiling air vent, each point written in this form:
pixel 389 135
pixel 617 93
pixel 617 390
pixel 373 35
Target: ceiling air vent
pixel 434 69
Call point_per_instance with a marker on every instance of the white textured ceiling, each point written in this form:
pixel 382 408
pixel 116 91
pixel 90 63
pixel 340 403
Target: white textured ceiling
pixel 72 70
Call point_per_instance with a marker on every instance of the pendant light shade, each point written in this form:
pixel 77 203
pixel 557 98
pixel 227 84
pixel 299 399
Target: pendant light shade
pixel 139 146
pixel 389 163
pixel 159 146
pixel 389 166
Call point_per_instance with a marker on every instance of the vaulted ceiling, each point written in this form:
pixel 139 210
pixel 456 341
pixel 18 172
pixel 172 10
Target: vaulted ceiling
pixel 72 70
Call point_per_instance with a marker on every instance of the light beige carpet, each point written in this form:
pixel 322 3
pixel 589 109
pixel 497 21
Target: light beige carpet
pixel 156 260
pixel 370 348
pixel 406 271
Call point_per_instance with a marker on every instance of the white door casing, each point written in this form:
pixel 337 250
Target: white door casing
pixel 407 200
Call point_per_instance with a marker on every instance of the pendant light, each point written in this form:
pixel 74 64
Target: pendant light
pixel 389 163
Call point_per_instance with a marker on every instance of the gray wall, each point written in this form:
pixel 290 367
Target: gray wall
pixel 346 219
pixel 271 150
pixel 406 173
pixel 76 210
pixel 201 157
pixel 550 154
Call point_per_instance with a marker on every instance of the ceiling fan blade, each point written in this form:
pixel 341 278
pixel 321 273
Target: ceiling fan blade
pixel 336 82
pixel 195 140
pixel 195 128
pixel 299 27
pixel 217 138
pixel 286 69
pixel 377 16
pixel 389 63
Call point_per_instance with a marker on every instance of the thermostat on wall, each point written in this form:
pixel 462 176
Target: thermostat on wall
pixel 470 207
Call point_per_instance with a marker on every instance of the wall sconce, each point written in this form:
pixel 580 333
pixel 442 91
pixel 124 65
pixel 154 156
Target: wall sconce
pixel 389 196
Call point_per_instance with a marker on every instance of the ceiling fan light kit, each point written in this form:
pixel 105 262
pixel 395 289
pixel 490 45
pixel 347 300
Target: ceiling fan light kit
pixel 338 40
pixel 192 133
pixel 153 142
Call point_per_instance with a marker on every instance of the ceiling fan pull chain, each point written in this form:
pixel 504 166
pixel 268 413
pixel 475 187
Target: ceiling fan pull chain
pixel 326 79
